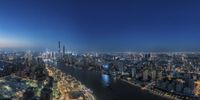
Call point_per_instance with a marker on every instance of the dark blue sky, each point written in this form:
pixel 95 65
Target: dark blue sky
pixel 117 25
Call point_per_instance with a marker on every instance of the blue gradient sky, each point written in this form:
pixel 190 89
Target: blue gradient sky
pixel 113 25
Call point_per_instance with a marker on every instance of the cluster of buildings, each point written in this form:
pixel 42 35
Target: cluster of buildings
pixel 28 77
pixel 68 87
pixel 174 73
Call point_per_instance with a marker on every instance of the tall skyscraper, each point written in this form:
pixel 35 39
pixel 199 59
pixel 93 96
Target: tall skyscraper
pixel 145 75
pixel 63 49
pixel 133 70
pixel 153 74
pixel 59 49
pixel 160 76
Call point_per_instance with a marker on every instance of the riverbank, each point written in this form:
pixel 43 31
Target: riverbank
pixel 134 84
pixel 137 85
pixel 151 91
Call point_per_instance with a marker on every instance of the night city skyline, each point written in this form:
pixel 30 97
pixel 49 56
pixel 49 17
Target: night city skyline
pixel 130 25
pixel 99 50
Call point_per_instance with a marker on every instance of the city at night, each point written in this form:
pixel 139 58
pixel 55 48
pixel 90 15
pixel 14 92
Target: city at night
pixel 99 50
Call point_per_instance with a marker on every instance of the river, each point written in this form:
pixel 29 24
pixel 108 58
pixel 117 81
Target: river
pixel 106 88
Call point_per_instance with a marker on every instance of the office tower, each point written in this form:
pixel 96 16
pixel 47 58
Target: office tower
pixel 153 74
pixel 59 49
pixel 133 70
pixel 160 76
pixel 28 57
pixel 121 69
pixel 63 49
pixel 169 65
pixel 145 75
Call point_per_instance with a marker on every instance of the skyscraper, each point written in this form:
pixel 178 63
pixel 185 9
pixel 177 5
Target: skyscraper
pixel 145 75
pixel 63 49
pixel 59 49
pixel 160 76
pixel 153 74
pixel 133 70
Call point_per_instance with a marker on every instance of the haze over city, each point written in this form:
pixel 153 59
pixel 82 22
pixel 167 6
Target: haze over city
pixel 167 25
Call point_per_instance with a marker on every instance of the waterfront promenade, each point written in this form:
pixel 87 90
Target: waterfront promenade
pixel 68 86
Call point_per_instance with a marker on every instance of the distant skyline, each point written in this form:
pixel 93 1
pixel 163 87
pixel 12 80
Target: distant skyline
pixel 101 25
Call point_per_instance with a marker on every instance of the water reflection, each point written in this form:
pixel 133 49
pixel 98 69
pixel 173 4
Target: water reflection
pixel 105 80
pixel 105 88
